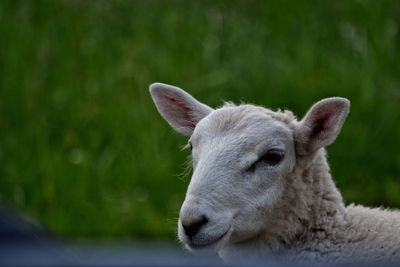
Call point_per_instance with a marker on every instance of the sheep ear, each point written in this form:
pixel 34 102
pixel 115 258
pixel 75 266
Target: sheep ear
pixel 178 108
pixel 321 125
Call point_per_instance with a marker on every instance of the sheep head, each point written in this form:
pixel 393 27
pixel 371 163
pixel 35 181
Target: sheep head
pixel 241 156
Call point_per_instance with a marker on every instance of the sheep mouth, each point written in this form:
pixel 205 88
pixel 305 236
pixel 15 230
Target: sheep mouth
pixel 208 244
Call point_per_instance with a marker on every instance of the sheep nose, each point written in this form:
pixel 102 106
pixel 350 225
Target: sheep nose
pixel 192 227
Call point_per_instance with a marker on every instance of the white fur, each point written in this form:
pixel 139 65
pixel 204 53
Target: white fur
pixel 291 210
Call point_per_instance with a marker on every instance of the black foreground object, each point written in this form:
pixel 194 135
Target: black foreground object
pixel 22 244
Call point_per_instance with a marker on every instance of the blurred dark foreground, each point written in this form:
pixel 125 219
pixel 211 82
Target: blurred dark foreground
pixel 22 244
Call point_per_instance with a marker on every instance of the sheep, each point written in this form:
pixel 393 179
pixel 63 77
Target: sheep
pixel 261 186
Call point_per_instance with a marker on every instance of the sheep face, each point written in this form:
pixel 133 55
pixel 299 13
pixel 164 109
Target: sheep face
pixel 243 157
pixel 240 156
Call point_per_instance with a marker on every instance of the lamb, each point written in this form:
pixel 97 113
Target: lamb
pixel 261 186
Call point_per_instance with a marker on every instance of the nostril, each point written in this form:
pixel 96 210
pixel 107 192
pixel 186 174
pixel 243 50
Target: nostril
pixel 193 227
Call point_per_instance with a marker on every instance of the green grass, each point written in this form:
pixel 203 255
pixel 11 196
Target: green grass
pixel 83 149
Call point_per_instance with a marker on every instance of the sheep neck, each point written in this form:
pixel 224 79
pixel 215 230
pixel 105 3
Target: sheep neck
pixel 311 204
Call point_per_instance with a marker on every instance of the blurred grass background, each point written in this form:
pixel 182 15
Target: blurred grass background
pixel 83 149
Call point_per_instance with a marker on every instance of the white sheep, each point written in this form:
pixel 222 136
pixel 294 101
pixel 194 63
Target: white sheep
pixel 261 185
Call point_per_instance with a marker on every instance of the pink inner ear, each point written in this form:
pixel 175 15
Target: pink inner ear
pixel 320 124
pixel 181 112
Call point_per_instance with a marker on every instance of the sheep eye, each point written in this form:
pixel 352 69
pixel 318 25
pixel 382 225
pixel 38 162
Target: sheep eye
pixel 252 168
pixel 273 156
